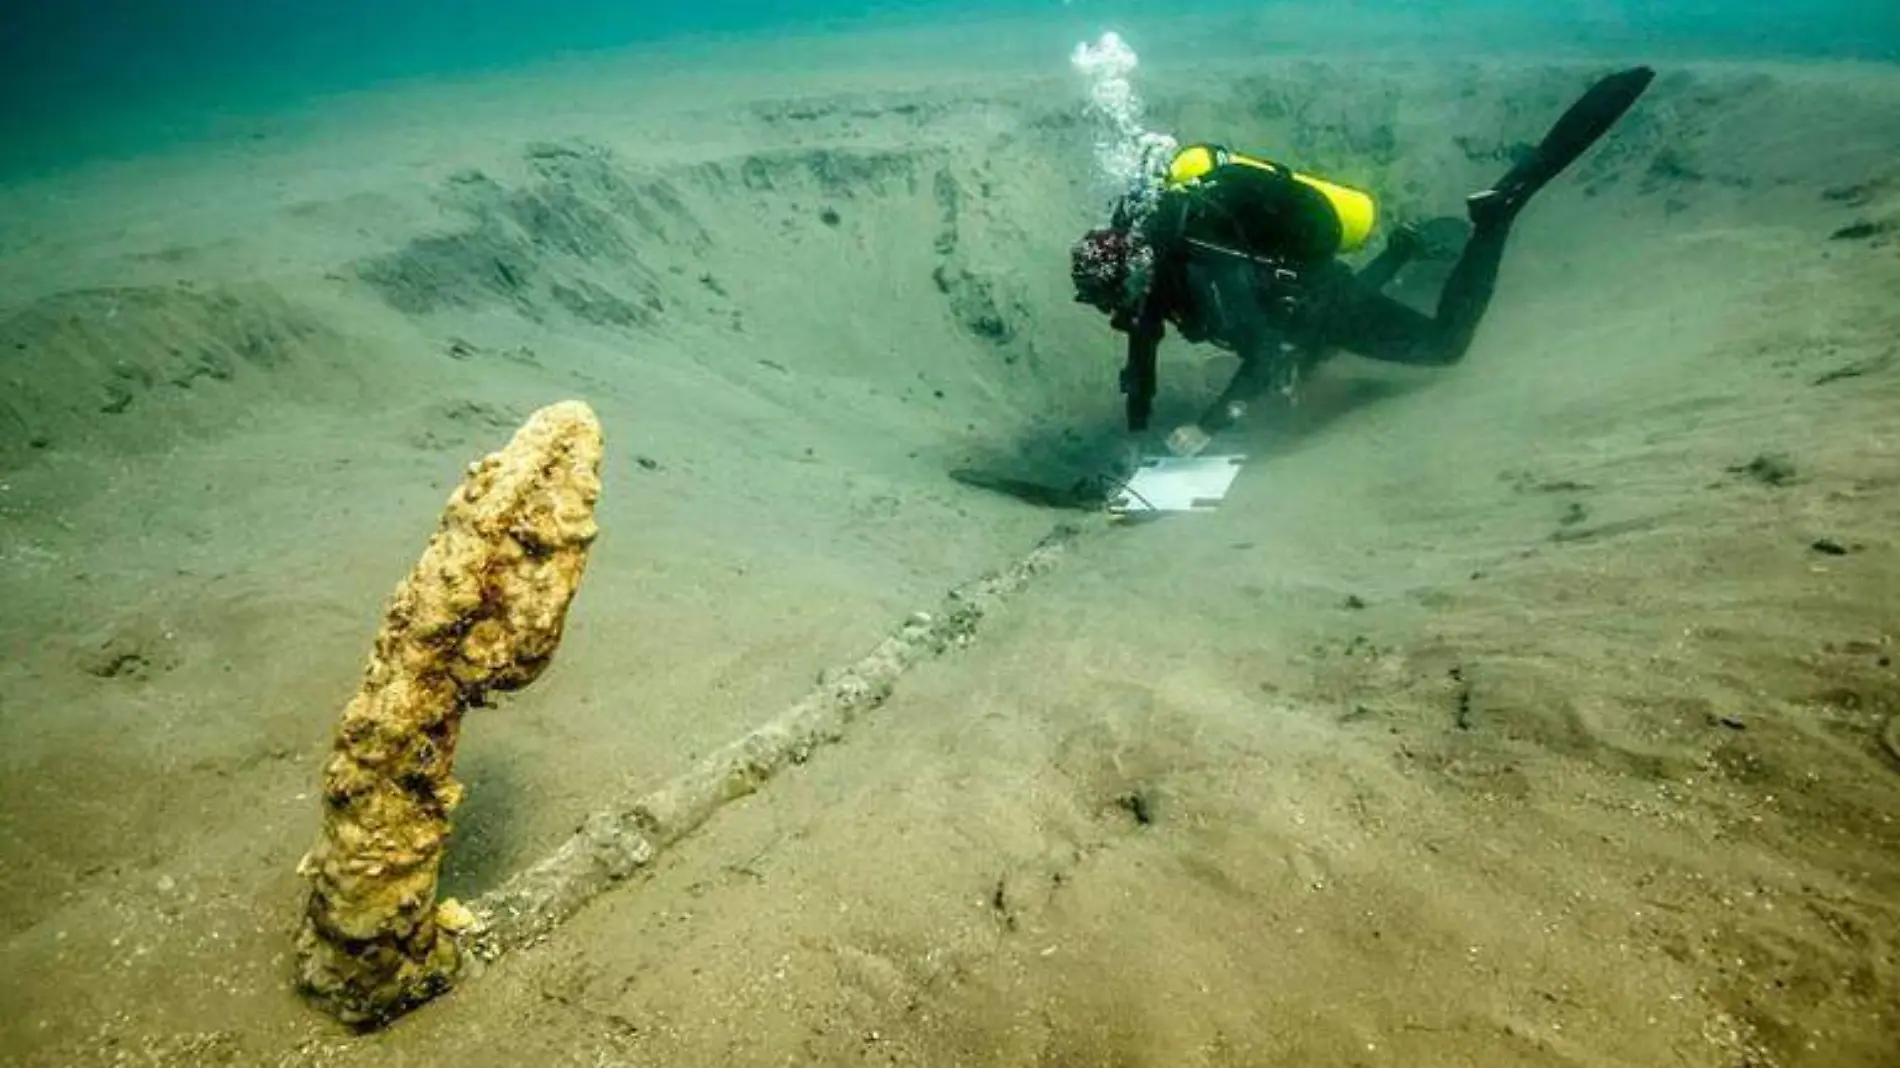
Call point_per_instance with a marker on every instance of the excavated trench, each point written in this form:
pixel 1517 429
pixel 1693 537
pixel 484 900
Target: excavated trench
pixel 729 263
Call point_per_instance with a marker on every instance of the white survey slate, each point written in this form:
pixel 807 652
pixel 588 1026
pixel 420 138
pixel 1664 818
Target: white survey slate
pixel 1177 484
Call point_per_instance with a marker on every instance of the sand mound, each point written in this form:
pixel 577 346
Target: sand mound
pixel 125 368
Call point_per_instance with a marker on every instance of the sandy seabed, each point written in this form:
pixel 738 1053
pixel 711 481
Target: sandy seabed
pixel 1526 712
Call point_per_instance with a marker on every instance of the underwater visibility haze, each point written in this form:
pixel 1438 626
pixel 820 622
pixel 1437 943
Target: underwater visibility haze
pixel 1063 534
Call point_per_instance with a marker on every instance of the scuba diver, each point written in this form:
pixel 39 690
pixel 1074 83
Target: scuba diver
pixel 1241 252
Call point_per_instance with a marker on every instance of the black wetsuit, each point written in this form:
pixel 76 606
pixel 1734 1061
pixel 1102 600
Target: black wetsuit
pixel 1243 259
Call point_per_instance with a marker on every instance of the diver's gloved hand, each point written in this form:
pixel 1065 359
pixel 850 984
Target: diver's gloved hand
pixel 1188 440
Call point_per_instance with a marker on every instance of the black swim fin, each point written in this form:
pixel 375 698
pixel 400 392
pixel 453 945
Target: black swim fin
pixel 1581 126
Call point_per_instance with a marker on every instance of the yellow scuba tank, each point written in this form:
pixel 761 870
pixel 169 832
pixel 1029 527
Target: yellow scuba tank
pixel 1354 209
